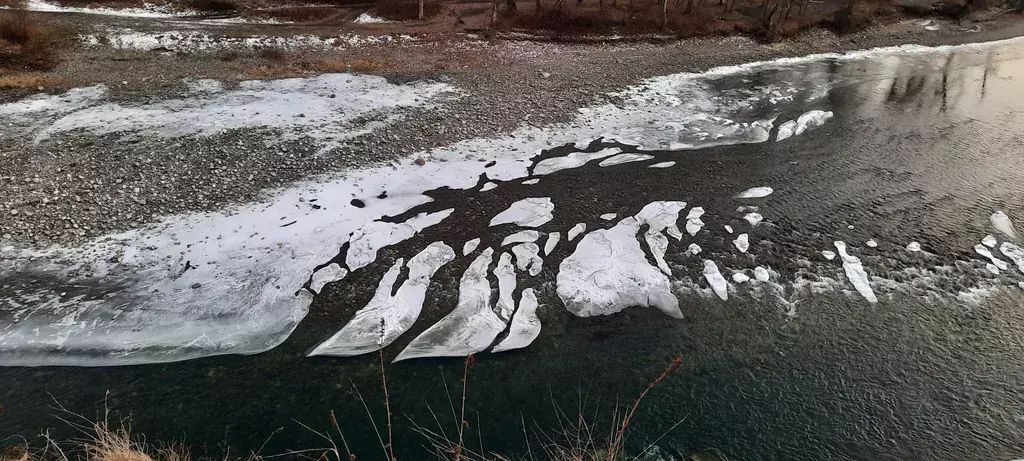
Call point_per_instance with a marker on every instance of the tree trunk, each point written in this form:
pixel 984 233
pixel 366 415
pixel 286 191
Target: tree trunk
pixel 538 7
pixel 664 14
pixel 494 12
pixel 421 10
pixel 511 5
pixel 689 7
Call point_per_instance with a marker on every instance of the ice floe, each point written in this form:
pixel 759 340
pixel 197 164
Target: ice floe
pixel 740 277
pixel 855 273
pixel 530 182
pixel 662 216
pixel 373 236
pixel 984 251
pixel 608 272
pixel 1003 224
pixel 761 274
pixel 609 216
pixel 470 328
pixel 715 279
pixel 753 218
pixel 576 230
pixel 811 119
pixel 1014 252
pixel 624 158
pixel 989 241
pixel 662 165
pixel 828 254
pixel 742 243
pixel 489 185
pixel 470 246
pixel 871 244
pixel 528 212
pixel 786 130
pixel 505 272
pixel 327 274
pixel 573 160
pixel 914 247
pixel 521 237
pixel 387 316
pixel 755 192
pixel 728 228
pixel 525 326
pixel 551 242
pixel 693 249
pixel 528 258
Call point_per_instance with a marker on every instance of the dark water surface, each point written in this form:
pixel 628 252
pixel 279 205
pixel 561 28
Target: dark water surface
pixel 923 147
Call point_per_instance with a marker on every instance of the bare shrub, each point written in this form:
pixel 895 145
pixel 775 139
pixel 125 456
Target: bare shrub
pixel 25 45
pixel 214 6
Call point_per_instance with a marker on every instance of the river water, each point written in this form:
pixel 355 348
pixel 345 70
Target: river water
pixel 866 349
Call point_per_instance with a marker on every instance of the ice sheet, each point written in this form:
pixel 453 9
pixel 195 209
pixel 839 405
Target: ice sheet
pixel 327 274
pixel 525 326
pixel 715 279
pixel 855 273
pixel 521 237
pixel 528 212
pixel 528 258
pixel 551 242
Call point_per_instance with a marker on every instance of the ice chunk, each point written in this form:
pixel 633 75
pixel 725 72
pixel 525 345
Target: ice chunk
pixel 365 241
pixel 624 158
pixel 521 237
pixel 742 243
pixel 528 212
pixel 871 243
pixel 828 254
pixel 728 228
pixel 992 268
pixel 746 209
pixel 914 246
pixel 983 250
pixel 506 275
pixel 488 186
pixel 1003 224
pixel 662 216
pixel 525 326
pixel 855 272
pixel 761 274
pixel 693 249
pixel 753 218
pixel 549 244
pixel 573 160
pixel 530 182
pixel 693 226
pixel 470 328
pixel 811 119
pixel 470 246
pixel 740 277
pixel 658 244
pixel 1014 252
pixel 695 213
pixel 786 130
pixel 662 165
pixel 609 216
pixel 327 274
pixel 755 192
pixel 527 258
pixel 387 317
pixel 715 279
pixel 576 230
pixel 989 241
pixel 608 272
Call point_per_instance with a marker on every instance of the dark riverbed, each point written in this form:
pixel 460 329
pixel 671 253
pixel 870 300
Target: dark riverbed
pixel 922 148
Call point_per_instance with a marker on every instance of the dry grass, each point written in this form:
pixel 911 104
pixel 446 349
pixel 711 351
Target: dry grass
pixel 213 6
pixel 25 45
pixel 286 68
pixel 13 3
pixel 406 10
pixel 299 14
pixel 28 81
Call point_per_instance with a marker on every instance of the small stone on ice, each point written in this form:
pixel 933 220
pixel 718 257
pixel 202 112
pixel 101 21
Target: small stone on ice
pixel 829 255
pixel 989 241
pixel 740 277
pixel 871 243
pixel 914 246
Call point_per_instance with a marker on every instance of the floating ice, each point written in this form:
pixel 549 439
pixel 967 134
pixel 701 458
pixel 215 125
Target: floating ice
pixel 1014 252
pixel 989 241
pixel 755 192
pixel 695 213
pixel 528 212
pixel 365 241
pixel 521 237
pixel 761 274
pixel 662 216
pixel 658 244
pixel 489 185
pixel 914 246
pixel 753 218
pixel 608 272
pixel 742 243
pixel 527 258
pixel 740 277
pixel 811 119
pixel 506 275
pixel 728 228
pixel 470 328
pixel 576 230
pixel 715 279
pixel 525 326
pixel 609 216
pixel 573 160
pixel 327 274
pixel 387 317
pixel 855 273
pixel 662 165
pixel 470 246
pixel 746 209
pixel 1003 224
pixel 624 158
pixel 984 251
pixel 693 226
pixel 530 182
pixel 828 254
pixel 992 268
pixel 786 130
pixel 693 249
pixel 549 244
pixel 871 243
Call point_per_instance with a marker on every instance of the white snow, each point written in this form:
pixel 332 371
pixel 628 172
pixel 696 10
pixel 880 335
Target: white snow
pixel 525 326
pixel 148 10
pixel 755 192
pixel 828 254
pixel 715 279
pixel 327 274
pixel 740 277
pixel 855 273
pixel 742 243
pixel 521 237
pixel 1003 224
pixel 183 41
pixel 528 258
pixel 989 241
pixel 761 274
pixel 608 272
pixel 367 18
pixel 662 165
pixel 914 247
pixel 387 317
pixel 470 328
pixel 624 158
pixel 576 230
pixel 528 212
pixel 470 246
pixel 753 218
pixel 373 236
pixel 573 160
pixel 984 251
pixel 551 242
pixel 609 216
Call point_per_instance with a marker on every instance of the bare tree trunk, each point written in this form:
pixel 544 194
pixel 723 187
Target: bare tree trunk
pixel 494 12
pixel 511 5
pixel 789 8
pixel 421 10
pixel 664 14
pixel 689 7
pixel 538 7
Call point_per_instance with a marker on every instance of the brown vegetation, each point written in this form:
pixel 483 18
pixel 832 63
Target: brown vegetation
pixel 213 6
pixel 25 45
pixel 28 81
pixel 13 3
pixel 301 14
pixel 282 64
pixel 404 10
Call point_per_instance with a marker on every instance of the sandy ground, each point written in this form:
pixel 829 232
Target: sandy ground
pixel 57 191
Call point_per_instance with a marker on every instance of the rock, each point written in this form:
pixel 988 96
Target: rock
pixel 420 161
